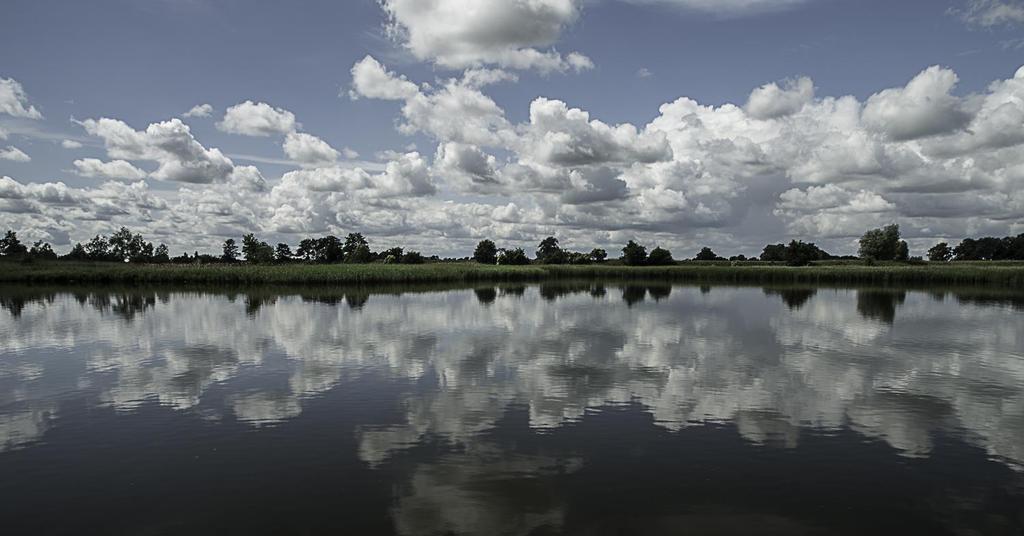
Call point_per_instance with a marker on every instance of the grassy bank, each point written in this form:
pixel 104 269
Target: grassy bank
pixel 985 274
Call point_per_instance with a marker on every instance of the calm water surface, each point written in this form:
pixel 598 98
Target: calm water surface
pixel 553 409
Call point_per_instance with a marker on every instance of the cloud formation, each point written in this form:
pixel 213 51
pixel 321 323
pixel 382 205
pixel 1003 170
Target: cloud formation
pixel 726 7
pixel 115 169
pixel 14 154
pixel 179 157
pixel 199 110
pixel 988 13
pixel 456 35
pixel 309 150
pixel 257 119
pixel 14 101
pixel 786 163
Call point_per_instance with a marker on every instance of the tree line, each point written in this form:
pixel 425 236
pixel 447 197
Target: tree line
pixel 883 244
pixel 1010 248
pixel 125 246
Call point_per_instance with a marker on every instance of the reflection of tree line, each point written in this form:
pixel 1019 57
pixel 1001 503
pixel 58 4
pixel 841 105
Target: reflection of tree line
pixel 123 304
pixel 632 293
pixel 794 298
pixel 873 304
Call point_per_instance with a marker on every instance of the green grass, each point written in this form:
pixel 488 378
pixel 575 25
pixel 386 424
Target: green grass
pixel 886 274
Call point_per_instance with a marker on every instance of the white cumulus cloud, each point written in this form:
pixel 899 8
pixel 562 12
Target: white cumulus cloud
pixel 925 107
pixel 199 110
pixel 309 150
pixel 115 169
pixel 14 154
pixel 771 101
pixel 514 34
pixel 257 119
pixel 14 101
pixel 170 144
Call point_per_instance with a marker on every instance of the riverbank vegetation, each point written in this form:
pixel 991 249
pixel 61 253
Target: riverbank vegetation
pixel 1006 274
pixel 125 257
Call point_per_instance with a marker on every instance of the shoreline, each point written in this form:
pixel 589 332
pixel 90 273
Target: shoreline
pixel 989 274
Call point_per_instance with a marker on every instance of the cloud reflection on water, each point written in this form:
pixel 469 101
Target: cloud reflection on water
pixel 893 365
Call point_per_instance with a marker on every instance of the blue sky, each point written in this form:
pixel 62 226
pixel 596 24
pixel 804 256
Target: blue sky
pixel 147 62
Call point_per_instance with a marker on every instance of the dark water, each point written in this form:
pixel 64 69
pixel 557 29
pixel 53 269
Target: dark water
pixel 558 409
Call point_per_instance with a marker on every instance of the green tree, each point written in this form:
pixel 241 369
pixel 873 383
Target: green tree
pixel 575 257
pixel 98 249
pixel 283 252
pixel 902 251
pixel 774 253
pixel 940 252
pixel 77 253
pixel 660 257
pixel 513 257
pixel 706 254
pixel 799 253
pixel 881 244
pixel 123 245
pixel 230 251
pixel 256 251
pixel 413 257
pixel 598 255
pixel 10 245
pixel 328 249
pixel 486 252
pixel 352 242
pixel 634 254
pixel 307 249
pixel 162 255
pixel 42 250
pixel 360 255
pixel 548 252
pixel 392 256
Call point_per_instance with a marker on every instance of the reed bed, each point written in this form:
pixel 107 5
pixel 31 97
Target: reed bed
pixel 984 274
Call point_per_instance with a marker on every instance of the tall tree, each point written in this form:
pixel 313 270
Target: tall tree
pixel 940 252
pixel 548 251
pixel 800 253
pixel 881 244
pixel 328 249
pixel 42 250
pixel 230 251
pixel 352 242
pixel 256 251
pixel 360 255
pixel 486 252
pixel 162 254
pixel 774 253
pixel 634 254
pixel 98 249
pixel 283 253
pixel 122 244
pixel 10 245
pixel 77 253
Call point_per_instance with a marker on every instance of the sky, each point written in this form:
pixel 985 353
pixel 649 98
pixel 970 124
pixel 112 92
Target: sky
pixel 433 124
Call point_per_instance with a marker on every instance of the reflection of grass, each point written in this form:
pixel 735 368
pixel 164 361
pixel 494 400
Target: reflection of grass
pixel 996 274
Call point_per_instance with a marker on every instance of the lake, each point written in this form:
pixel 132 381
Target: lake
pixel 571 408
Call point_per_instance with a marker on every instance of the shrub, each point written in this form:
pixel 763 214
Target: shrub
pixel 513 257
pixel 660 257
